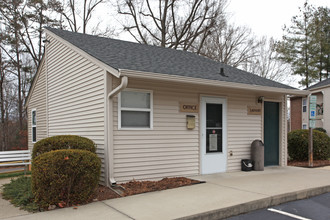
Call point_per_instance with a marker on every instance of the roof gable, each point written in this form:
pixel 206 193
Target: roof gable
pixel 140 57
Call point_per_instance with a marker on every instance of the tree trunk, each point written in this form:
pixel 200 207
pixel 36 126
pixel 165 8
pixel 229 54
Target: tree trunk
pixel 3 127
pixel 306 53
pixel 18 66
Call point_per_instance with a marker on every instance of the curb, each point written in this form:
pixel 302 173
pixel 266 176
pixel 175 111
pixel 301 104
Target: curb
pixel 258 204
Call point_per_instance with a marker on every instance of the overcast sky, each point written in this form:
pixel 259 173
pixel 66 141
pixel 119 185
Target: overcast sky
pixel 264 17
pixel 267 17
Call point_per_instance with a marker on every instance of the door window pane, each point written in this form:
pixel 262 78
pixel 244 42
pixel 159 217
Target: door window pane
pixel 136 119
pixel 214 115
pixel 213 140
pixel 213 128
pixel 131 99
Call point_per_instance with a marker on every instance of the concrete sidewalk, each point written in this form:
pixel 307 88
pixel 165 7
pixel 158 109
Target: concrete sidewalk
pixel 222 195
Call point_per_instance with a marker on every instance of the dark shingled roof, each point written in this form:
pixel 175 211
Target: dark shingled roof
pixel 133 56
pixel 325 82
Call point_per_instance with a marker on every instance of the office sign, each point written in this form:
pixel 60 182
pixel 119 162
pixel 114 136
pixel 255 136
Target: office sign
pixel 187 107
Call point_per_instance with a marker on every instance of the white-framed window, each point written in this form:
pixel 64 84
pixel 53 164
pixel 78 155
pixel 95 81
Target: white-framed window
pixel 304 105
pixel 34 125
pixel 304 126
pixel 135 109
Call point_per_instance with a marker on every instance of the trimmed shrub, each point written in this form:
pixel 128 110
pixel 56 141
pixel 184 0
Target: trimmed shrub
pixel 298 145
pixel 321 129
pixel 63 142
pixel 65 177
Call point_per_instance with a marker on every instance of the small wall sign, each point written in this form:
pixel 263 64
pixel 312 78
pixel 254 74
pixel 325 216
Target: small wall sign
pixel 312 99
pixel 254 110
pixel 312 106
pixel 192 108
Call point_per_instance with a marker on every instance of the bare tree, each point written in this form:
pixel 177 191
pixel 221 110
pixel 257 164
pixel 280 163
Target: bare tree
pixel 2 99
pixel 267 63
pixel 33 19
pixel 231 45
pixel 77 15
pixel 172 23
pixel 10 11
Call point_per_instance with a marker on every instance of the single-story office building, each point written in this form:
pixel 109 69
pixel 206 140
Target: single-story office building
pixel 154 112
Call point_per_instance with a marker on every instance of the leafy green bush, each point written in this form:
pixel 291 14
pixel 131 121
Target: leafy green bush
pixel 65 177
pixel 18 191
pixel 298 145
pixel 63 142
pixel 321 129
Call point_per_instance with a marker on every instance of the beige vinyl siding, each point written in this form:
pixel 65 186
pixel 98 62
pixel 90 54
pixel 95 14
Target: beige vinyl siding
pixel 283 132
pixel 242 129
pixel 326 110
pixel 75 96
pixel 170 149
pixel 38 102
pixel 323 96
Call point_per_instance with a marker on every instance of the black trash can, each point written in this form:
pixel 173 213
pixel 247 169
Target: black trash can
pixel 246 165
pixel 257 155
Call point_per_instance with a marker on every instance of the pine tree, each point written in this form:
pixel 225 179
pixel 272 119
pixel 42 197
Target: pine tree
pixel 296 47
pixel 321 41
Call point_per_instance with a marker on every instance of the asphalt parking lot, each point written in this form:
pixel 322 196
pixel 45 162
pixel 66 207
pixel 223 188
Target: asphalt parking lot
pixel 316 208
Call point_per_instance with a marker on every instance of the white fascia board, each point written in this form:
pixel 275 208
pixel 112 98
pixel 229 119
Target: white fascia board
pixel 208 82
pixel 102 65
pixel 34 82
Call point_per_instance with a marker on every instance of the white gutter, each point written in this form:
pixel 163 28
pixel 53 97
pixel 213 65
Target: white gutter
pixel 122 86
pixel 208 82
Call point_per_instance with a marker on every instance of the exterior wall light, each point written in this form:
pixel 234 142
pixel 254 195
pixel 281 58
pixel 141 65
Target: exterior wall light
pixel 261 99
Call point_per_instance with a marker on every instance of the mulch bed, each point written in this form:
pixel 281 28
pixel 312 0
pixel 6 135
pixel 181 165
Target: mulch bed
pixel 316 163
pixel 137 187
pixel 104 193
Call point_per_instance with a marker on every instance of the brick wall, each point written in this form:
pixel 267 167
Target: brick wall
pixel 295 112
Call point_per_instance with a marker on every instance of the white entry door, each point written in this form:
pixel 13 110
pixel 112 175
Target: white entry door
pixel 213 135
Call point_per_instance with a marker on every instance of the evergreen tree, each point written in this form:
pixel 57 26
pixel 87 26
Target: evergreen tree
pixel 321 42
pixel 305 44
pixel 296 47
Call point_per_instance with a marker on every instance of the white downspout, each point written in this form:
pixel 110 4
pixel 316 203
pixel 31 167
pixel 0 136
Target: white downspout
pixel 122 86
